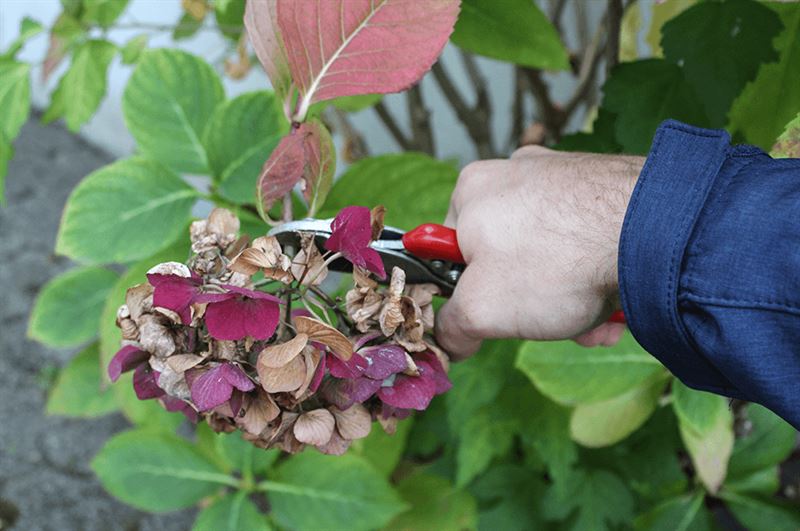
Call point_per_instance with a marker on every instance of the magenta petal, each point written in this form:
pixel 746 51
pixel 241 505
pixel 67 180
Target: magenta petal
pixel 235 403
pixel 252 294
pixel 145 383
pixel 363 339
pixel 412 392
pixel 333 391
pixel 384 360
pixel 301 312
pixel 351 228
pixel 176 404
pixel 360 389
pixel 127 358
pixel 214 297
pixel 389 411
pixel 234 319
pixel 175 293
pixel 353 368
pixel 317 379
pixel 210 389
pixel 440 379
pixel 373 262
pixel 235 376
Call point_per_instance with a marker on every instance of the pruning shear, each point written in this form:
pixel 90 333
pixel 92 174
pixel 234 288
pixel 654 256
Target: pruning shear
pixel 427 254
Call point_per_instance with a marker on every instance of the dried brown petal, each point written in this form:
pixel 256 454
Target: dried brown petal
pixel 388 424
pixel 183 362
pixel 155 337
pixel 327 335
pixel 139 300
pixel 171 381
pixel 308 263
pixel 443 358
pixel 354 422
pixel 278 355
pixel 411 367
pixel 287 420
pixel 337 445
pixel 423 296
pixel 289 443
pixel 283 379
pixel 170 268
pixel 128 327
pixel 259 411
pixel 362 278
pixel 391 315
pixel 411 332
pixel 222 222
pixel 376 216
pixel 169 314
pixel 312 358
pixel 265 254
pixel 314 427
pixel 224 350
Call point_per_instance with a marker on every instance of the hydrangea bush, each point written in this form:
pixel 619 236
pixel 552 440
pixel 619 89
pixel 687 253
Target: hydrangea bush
pixel 212 318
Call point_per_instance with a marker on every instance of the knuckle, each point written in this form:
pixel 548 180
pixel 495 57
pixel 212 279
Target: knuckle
pixel 530 151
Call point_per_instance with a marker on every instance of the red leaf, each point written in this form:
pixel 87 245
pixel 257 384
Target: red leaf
pixel 306 153
pixel 359 46
pixel 261 22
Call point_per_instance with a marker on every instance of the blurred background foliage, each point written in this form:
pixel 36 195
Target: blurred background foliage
pixel 532 435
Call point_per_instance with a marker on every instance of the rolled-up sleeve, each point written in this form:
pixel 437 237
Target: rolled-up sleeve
pixel 709 266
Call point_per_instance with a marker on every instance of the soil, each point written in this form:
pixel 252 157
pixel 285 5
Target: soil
pixel 45 479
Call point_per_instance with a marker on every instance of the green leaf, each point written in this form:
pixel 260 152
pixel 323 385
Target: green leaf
pixel 686 513
pixel 510 496
pixel 706 426
pixel 186 27
pixel 485 435
pixel 720 47
pixel 344 492
pixel 6 154
pixel 110 335
pixel 230 17
pixel 479 380
pixel 766 481
pixel 435 504
pixel 515 31
pixel 609 421
pixel 644 93
pixel 602 138
pixel 15 97
pixel 125 211
pixel 103 12
pixel 769 442
pixel 67 310
pixel 243 456
pixel 77 391
pixel 156 472
pixel 132 50
pixel 571 374
pixel 762 513
pixel 239 138
pixel 232 512
pixel 413 187
pixel 28 28
pixel 788 144
pixel 661 13
pixel 82 88
pixel 143 413
pixel 383 451
pixel 168 102
pixel 772 99
pixel 600 498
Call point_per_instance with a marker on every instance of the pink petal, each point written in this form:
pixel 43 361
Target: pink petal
pixel 235 376
pixel 126 359
pixel 252 294
pixel 317 379
pixel 176 404
pixel 175 293
pixel 213 297
pixel 438 375
pixel 353 368
pixel 360 389
pixel 237 318
pixel 145 383
pixel 410 392
pixel 209 388
pixel 384 360
pixel 373 262
pixel 235 403
pixel 333 391
pixel 363 339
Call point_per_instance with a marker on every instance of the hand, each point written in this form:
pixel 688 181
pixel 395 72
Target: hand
pixel 539 233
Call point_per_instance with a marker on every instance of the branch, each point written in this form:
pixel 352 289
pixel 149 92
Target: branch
pixel 556 10
pixel 354 146
pixel 394 129
pixel 614 15
pixel 420 121
pixel 517 110
pixel 475 119
pixel 588 69
pixel 552 115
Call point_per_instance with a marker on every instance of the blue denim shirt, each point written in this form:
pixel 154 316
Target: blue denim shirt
pixel 709 266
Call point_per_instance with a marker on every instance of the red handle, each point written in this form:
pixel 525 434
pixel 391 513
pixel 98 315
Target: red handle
pixel 433 242
pixel 617 317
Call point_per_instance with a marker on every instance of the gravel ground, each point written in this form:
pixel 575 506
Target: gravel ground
pixel 45 479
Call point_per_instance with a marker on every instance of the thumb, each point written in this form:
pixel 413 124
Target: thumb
pixel 458 322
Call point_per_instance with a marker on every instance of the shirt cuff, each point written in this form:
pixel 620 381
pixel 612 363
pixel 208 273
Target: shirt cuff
pixel 668 198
